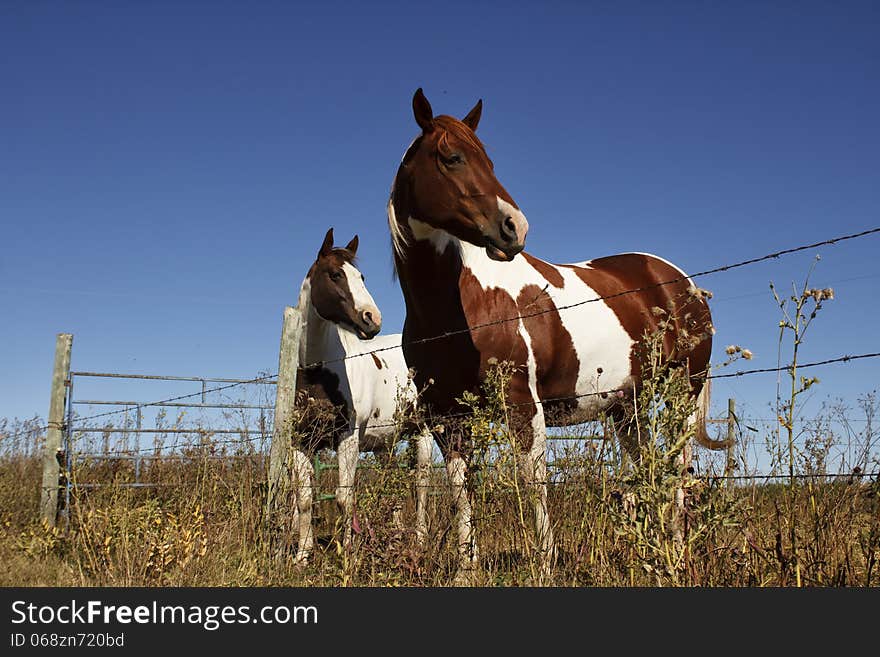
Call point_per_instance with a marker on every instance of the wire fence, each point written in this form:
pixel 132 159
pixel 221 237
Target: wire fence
pixel 208 441
pixel 91 441
pixel 270 378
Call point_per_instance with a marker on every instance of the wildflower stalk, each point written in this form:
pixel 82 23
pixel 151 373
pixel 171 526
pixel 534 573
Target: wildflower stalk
pixel 797 322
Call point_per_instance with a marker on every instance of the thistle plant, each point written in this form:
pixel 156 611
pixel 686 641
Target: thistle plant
pixel 799 309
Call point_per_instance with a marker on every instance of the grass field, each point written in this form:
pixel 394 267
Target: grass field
pixel 204 525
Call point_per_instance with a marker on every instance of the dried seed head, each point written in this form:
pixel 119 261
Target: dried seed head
pixel 747 354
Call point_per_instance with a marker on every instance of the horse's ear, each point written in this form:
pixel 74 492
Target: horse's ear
pixel 472 120
pixel 423 112
pixel 353 245
pixel 327 246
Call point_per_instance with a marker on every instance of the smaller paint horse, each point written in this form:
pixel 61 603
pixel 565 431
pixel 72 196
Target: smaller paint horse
pixel 363 391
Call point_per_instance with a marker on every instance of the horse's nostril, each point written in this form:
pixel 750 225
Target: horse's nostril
pixel 508 229
pixel 368 317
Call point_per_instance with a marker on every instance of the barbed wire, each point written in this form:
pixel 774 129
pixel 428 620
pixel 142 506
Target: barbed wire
pixel 496 322
pixel 605 393
pixel 316 486
pixel 447 334
pixel 261 379
pixel 448 416
pixel 432 421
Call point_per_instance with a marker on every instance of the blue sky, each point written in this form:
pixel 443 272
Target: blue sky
pixel 169 169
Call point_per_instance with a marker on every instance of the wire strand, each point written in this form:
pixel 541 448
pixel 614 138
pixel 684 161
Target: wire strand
pixel 723 268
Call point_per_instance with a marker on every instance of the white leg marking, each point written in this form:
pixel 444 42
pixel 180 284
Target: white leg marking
pixel 533 472
pixel 424 448
pixel 533 466
pixel 303 474
pixel 455 469
pixel 347 455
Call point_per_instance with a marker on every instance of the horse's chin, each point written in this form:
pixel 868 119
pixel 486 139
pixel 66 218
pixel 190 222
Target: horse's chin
pixel 495 253
pixel 358 331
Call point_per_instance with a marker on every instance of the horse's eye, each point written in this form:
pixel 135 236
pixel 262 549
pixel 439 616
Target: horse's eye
pixel 335 275
pixel 454 159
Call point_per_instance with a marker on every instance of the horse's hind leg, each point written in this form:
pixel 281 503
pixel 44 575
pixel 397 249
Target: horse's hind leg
pixel 303 474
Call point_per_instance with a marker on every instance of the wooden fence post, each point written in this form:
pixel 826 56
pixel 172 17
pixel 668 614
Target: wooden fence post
pixel 731 437
pixel 285 393
pixel 55 430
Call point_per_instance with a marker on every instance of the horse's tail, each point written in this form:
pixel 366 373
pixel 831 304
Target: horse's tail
pixel 701 415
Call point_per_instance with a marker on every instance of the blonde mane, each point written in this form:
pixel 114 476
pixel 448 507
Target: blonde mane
pixel 399 241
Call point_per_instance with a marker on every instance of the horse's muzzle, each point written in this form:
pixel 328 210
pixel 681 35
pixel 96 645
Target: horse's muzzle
pixel 510 230
pixel 503 255
pixel 368 324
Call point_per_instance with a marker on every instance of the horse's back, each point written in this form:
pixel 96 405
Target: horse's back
pixel 652 296
pixel 611 305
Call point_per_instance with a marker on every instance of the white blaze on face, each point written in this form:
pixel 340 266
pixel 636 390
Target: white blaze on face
pixel 362 299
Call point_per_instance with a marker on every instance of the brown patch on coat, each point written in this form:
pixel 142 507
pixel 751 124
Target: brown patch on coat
pixel 377 361
pixel 443 368
pixel 504 343
pixel 546 270
pixel 323 410
pixel 556 360
pixel 663 294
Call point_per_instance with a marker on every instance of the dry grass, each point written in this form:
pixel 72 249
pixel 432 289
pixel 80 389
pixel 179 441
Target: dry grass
pixel 204 527
pixel 614 518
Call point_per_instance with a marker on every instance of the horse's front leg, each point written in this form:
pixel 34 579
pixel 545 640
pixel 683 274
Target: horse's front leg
pixel 456 469
pixel 303 474
pixel 533 472
pixel 347 455
pixel 424 448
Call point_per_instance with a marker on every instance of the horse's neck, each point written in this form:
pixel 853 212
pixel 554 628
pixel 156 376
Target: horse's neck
pixel 322 340
pixel 429 280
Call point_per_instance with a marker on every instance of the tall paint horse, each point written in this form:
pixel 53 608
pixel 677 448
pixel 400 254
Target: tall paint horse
pixel 458 238
pixel 347 397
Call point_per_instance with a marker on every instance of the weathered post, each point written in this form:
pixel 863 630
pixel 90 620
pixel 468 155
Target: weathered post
pixel 55 430
pixel 285 392
pixel 731 437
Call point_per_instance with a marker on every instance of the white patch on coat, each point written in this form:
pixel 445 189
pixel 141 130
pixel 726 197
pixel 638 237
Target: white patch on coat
pixel 598 336
pixel 440 239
